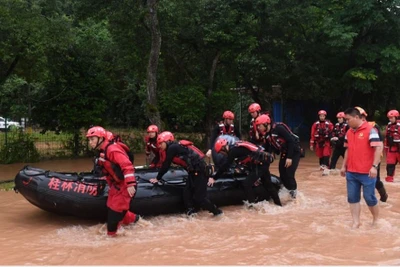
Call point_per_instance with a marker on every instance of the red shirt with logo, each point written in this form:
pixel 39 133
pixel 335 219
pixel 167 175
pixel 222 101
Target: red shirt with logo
pixel 361 143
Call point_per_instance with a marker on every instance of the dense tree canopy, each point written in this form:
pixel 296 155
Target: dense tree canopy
pixel 67 64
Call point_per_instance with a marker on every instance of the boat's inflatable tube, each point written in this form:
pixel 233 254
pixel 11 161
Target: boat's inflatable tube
pixel 84 195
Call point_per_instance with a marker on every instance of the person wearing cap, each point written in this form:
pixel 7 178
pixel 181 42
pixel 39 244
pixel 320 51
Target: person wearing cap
pixel 360 164
pixel 321 132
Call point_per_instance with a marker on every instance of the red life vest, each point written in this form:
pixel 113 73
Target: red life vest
pixel 340 130
pixel 223 130
pixel 322 130
pixel 193 160
pixel 151 145
pixel 393 134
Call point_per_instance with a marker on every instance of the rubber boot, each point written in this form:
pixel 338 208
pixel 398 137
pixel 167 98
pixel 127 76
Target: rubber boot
pixel 383 194
pixel 389 179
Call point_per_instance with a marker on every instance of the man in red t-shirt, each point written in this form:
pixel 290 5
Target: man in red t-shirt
pixel 360 164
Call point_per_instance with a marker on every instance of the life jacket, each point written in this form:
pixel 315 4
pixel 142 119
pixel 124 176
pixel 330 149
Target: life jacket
pixel 340 130
pixel 113 169
pixel 393 134
pixel 258 153
pixel 253 128
pixel 321 131
pixel 193 161
pixel 278 142
pixel 223 130
pixel 151 145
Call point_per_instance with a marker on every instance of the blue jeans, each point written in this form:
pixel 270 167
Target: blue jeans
pixel 354 183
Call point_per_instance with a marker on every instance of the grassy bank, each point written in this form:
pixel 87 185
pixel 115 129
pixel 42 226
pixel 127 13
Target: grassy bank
pixel 7 186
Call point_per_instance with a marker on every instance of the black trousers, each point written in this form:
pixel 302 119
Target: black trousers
pixel 195 192
pixel 287 175
pixel 337 152
pixel 260 170
pixel 379 184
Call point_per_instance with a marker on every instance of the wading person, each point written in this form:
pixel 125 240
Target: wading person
pixel 254 157
pixel 320 139
pixel 185 154
pixel 226 127
pixel 337 139
pixel 360 164
pixel 119 172
pixel 379 184
pixel 392 144
pixel 279 139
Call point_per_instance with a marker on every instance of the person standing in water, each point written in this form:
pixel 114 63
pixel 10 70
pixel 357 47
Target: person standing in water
pixel 185 154
pixel 337 139
pixel 119 172
pixel 379 184
pixel 279 139
pixel 321 131
pixel 360 164
pixel 256 159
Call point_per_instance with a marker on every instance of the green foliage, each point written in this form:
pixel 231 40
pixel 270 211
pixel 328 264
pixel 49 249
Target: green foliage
pixel 185 105
pixel 21 148
pixel 68 64
pixel 7 186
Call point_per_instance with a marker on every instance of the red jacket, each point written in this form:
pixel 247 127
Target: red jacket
pixel 116 164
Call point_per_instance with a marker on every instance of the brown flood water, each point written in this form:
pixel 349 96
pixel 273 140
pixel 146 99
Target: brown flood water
pixel 314 230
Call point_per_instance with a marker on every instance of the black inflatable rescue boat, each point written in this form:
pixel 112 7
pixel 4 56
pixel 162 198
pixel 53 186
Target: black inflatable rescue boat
pixel 84 195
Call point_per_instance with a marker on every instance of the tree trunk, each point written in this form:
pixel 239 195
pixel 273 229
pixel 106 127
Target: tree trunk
pixel 152 108
pixel 209 120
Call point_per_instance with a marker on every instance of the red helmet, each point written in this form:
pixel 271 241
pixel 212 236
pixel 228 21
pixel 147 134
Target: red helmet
pixel 254 107
pixel 340 115
pixel 152 128
pixel 165 137
pixel 96 131
pixel 219 144
pixel 263 119
pixel 109 135
pixel 322 112
pixel 362 111
pixel 228 115
pixel 393 113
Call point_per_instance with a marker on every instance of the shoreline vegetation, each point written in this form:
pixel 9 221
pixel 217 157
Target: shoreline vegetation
pixel 7 186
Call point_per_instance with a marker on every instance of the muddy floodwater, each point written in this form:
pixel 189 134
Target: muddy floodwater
pixel 314 230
